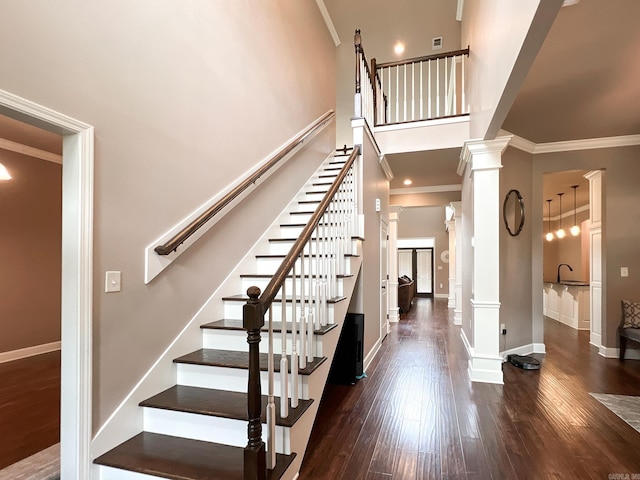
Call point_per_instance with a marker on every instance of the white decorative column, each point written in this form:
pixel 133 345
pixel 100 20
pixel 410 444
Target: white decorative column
pixel 596 187
pixel 394 217
pixel 451 229
pixel 483 160
pixel 457 217
pixel 358 129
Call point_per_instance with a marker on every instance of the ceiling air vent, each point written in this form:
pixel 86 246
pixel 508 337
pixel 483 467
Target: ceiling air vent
pixel 436 43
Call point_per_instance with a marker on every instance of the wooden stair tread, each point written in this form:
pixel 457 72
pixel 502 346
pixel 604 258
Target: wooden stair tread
pixel 219 403
pixel 266 276
pixel 184 459
pixel 233 359
pixel 236 324
pixel 241 297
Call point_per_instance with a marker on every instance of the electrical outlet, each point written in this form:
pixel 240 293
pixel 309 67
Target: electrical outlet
pixel 503 328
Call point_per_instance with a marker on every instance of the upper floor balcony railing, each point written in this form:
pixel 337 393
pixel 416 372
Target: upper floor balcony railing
pixel 423 88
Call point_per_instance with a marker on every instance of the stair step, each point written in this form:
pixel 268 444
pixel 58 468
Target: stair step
pixel 184 459
pixel 267 277
pixel 233 324
pixel 275 256
pixel 219 403
pixel 240 360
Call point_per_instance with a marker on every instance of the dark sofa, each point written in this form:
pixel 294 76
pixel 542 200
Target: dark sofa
pixel 406 292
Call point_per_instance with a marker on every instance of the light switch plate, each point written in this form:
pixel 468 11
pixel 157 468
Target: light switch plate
pixel 624 271
pixel 112 281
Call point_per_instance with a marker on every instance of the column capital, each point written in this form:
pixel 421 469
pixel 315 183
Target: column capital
pixel 451 225
pixel 482 154
pixel 457 209
pixel 394 212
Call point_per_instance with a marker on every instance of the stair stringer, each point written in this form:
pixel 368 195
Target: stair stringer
pixel 128 420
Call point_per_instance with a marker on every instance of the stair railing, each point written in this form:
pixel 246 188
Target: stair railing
pixel 179 238
pixel 364 102
pixel 423 88
pixel 319 255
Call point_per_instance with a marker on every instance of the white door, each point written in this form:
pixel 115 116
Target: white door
pixel 384 280
pixel 405 263
pixel 424 273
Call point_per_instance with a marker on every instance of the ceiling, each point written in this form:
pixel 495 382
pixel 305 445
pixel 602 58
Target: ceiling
pixel 583 84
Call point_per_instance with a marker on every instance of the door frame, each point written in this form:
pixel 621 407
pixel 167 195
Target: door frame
pixel 77 278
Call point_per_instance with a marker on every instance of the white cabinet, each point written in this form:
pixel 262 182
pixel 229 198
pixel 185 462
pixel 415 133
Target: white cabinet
pixel 568 304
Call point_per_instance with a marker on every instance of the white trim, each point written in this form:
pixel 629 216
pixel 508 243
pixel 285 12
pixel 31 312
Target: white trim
pixel 29 351
pixel 441 295
pixel 77 273
pixel 154 264
pixel 386 168
pixel 465 341
pixel 421 124
pixel 29 151
pixel 329 22
pixel 525 350
pixel 431 189
pixel 572 145
pixel 459 10
pixel 371 355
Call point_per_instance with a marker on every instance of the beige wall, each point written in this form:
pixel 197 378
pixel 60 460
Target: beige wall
pixel 622 223
pixel 571 250
pixel 515 254
pixel 503 38
pixel 30 252
pixel 185 97
pixel 383 23
pixel 421 222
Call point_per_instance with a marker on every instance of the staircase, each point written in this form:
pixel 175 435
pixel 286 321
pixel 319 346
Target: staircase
pixel 197 429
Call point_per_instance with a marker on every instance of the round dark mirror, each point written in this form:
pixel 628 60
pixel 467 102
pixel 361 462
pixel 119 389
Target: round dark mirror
pixel 513 212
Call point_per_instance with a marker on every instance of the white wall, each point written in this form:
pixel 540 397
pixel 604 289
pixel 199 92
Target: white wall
pixel 185 97
pixel 504 38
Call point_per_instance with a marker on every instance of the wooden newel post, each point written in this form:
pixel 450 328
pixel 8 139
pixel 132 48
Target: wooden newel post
pixel 255 457
pixel 357 41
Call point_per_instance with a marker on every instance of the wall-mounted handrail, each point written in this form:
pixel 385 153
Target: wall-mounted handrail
pixel 327 249
pixel 179 238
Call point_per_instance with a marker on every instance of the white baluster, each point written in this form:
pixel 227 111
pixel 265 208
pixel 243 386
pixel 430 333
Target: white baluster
pixel 429 89
pixel 455 85
pixel 446 89
pixel 421 95
pixel 437 87
pixel 271 406
pixel 303 320
pixel 397 94
pixel 284 366
pixel 413 89
pixel 463 106
pixel 404 91
pixel 310 322
pixel 294 341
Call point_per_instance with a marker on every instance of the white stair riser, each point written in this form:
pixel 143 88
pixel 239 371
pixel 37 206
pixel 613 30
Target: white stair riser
pixel 237 341
pixel 110 473
pixel 268 265
pixel 232 379
pixel 283 247
pixel 262 283
pixel 233 309
pixel 207 428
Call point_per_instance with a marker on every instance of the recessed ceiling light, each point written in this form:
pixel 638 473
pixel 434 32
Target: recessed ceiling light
pixel 568 3
pixel 407 181
pixel 399 48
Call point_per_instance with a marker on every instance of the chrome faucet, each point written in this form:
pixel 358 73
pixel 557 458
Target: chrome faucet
pixel 567 265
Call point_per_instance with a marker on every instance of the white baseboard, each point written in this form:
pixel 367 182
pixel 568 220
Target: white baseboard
pixel 441 295
pixel 371 355
pixel 629 354
pixel 29 351
pixel 525 350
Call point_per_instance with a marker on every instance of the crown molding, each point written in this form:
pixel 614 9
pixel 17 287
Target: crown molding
pixel 432 189
pixel 571 145
pixel 386 167
pixel 329 22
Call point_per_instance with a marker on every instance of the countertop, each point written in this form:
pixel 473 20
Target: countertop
pixel 570 283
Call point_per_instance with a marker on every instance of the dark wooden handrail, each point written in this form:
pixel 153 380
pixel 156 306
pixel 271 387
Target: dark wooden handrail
pixel 186 232
pixel 253 320
pixel 423 59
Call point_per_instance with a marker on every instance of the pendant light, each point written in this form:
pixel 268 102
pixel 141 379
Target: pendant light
pixel 549 235
pixel 560 233
pixel 575 230
pixel 4 173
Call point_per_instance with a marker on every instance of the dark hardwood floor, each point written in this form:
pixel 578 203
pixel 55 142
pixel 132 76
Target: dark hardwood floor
pixel 417 416
pixel 29 406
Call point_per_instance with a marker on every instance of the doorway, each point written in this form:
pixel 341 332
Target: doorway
pixel 417 264
pixel 77 270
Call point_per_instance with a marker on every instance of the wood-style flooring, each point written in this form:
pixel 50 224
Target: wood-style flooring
pixel 29 406
pixel 417 415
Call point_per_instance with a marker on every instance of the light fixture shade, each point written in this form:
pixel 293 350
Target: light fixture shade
pixel 561 233
pixel 4 173
pixel 549 236
pixel 575 230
